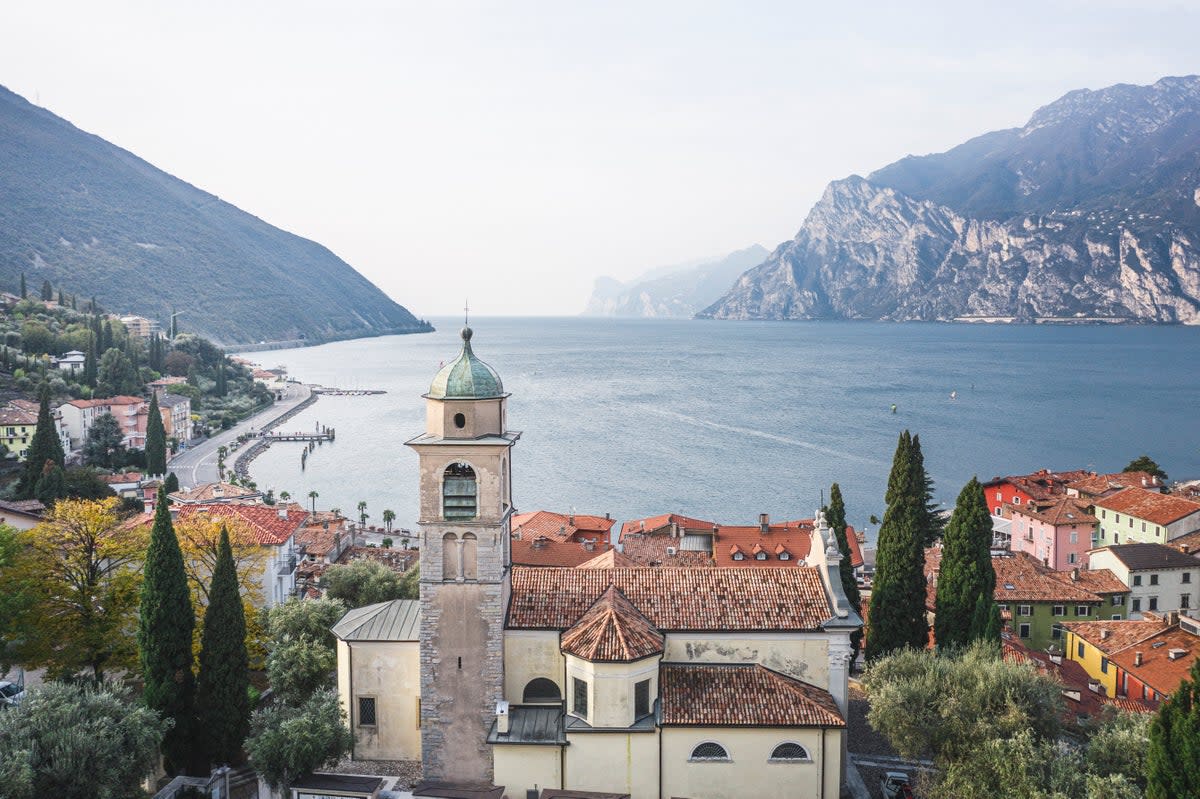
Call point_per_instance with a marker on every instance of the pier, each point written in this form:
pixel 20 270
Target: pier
pixel 326 435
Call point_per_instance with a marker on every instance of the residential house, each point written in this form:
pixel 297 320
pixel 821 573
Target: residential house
pixel 1056 531
pixel 22 514
pixel 130 412
pixel 34 407
pixel 176 411
pixel 141 326
pixel 1101 485
pixel 164 384
pixel 1139 515
pixel 576 527
pixel 17 427
pixel 125 485
pixel 1145 659
pixel 274 527
pixel 1020 489
pixel 1160 576
pixel 72 362
pixel 207 493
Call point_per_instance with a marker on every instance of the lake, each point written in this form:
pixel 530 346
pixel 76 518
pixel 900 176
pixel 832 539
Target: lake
pixel 726 420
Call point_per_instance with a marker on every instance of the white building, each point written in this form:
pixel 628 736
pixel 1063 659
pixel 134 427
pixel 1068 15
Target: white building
pixel 1161 578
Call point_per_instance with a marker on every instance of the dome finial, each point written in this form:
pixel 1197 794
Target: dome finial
pixel 466 335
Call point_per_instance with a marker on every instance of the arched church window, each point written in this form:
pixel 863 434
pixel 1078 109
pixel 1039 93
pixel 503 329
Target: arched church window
pixel 458 492
pixel 449 556
pixel 541 690
pixel 470 557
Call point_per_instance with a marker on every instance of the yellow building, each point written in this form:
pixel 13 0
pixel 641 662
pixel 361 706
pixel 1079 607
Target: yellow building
pixel 1092 644
pixel 17 427
pixel 378 679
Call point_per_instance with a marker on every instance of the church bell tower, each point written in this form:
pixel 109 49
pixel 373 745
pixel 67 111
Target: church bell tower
pixel 465 505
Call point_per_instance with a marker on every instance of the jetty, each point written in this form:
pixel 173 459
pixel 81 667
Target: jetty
pixel 326 435
pixel 347 392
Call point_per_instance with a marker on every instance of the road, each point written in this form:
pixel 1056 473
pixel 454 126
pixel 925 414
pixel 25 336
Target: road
pixel 198 463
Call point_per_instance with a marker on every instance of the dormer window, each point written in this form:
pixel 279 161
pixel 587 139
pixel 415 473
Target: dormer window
pixel 760 556
pixel 785 555
pixel 738 556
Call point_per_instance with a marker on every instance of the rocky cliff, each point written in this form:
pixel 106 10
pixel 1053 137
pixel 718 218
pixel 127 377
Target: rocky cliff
pixel 1090 211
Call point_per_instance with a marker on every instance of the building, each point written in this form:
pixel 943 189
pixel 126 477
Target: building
pixel 1058 531
pixel 207 493
pixel 21 514
pixel 1101 485
pixel 176 412
pixel 1139 515
pixel 1160 577
pixel 1144 660
pixel 17 427
pixel 130 412
pixel 577 527
pixel 72 362
pixel 544 551
pixel 141 326
pixel 1023 488
pixel 625 680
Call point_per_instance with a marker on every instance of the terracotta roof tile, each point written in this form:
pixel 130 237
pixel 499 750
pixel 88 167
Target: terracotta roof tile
pixel 561 526
pixel 612 631
pixel 1057 511
pixel 543 551
pixel 269 527
pixel 209 492
pixel 1073 678
pixel 1033 581
pixel 609 559
pixel 1113 636
pixel 1158 670
pixel 1097 485
pixel 1042 484
pixel 742 695
pixel 662 522
pixel 795 537
pixel 672 598
pixel 1152 556
pixel 1152 506
pixel 646 549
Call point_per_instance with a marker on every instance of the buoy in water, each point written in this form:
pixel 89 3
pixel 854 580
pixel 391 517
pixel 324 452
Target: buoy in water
pixel 893 407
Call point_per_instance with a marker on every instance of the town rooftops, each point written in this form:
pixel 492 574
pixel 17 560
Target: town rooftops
pixel 1113 636
pixel 561 526
pixel 1152 506
pixel 1021 576
pixel 781 545
pixel 612 631
pixel 648 549
pixel 172 400
pixel 544 551
pixel 271 526
pixel 104 403
pixel 1042 484
pixel 674 599
pixel 1161 661
pixel 1058 511
pixel 17 416
pixel 1151 556
pixel 609 559
pixel 1098 485
pixel 1083 702
pixel 741 695
pixel 214 492
pixel 397 620
pixel 665 521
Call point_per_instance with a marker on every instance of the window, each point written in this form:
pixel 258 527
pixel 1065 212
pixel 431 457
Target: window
pixel 760 556
pixel 1016 500
pixel 1079 650
pixel 1116 617
pixel 789 753
pixel 1185 601
pixel 1135 605
pixel 1074 537
pixel 1071 557
pixel 1024 610
pixel 1154 579
pixel 458 492
pixel 1153 604
pixel 541 690
pixel 641 699
pixel 366 711
pixel 738 556
pixel 709 751
pixel 1083 610
pixel 1118 599
pixel 1186 577
pixel 1104 665
pixel 1004 608
pixel 1024 630
pixel 460 421
pixel 1143 527
pixel 999 495
pixel 1060 610
pixel 1130 522
pixel 579 705
pixel 1056 632
pixel 1137 579
pixel 785 556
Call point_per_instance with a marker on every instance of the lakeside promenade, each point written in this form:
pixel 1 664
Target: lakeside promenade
pixel 198 464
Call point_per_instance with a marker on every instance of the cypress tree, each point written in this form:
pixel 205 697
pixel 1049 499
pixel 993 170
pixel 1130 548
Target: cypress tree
pixel 897 616
pixel 835 515
pixel 47 291
pixel 156 440
pixel 932 524
pixel 89 362
pixel 966 576
pixel 222 387
pixel 24 288
pixel 45 447
pixel 1173 757
pixel 61 299
pixel 165 626
pixel 222 698
pixel 74 303
pixel 106 334
pixel 171 484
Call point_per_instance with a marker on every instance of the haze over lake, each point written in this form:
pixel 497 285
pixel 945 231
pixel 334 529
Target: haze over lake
pixel 726 420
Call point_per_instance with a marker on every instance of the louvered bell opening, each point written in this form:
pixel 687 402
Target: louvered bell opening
pixel 458 498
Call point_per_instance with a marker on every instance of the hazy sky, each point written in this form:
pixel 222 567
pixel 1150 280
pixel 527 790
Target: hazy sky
pixel 511 152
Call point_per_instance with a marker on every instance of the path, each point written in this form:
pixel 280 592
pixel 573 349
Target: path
pixel 198 463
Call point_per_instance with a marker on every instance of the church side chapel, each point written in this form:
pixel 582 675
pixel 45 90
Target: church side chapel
pixel 647 682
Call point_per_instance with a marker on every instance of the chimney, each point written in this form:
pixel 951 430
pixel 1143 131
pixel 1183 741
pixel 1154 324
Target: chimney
pixel 571 519
pixel 674 529
pixel 282 513
pixel 764 523
pixel 539 542
pixel 1075 574
pixel 607 517
pixel 1104 634
pixel 1137 658
pixel 502 717
pixel 714 533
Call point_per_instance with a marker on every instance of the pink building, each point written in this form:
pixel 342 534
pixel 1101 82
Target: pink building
pixel 131 413
pixel 1056 531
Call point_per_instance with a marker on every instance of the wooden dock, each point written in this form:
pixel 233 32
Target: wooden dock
pixel 300 436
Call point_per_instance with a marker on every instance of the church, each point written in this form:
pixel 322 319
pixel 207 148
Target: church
pixel 645 682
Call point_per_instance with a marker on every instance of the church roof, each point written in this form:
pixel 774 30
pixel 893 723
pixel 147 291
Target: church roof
pixel 466 377
pixel 613 631
pixel 742 695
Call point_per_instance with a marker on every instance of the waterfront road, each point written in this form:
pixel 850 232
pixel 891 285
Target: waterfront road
pixel 198 463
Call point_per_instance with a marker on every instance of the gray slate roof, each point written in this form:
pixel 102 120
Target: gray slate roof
pixel 398 620
pixel 531 725
pixel 1153 556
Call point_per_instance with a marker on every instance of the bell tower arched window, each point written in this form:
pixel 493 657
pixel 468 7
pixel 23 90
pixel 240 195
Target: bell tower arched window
pixel 459 492
pixel 470 557
pixel 449 556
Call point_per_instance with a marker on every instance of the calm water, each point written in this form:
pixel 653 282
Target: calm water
pixel 724 420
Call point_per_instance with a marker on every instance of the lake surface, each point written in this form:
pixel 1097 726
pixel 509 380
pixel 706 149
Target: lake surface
pixel 726 420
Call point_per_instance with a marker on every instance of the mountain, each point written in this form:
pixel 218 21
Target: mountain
pixel 94 219
pixel 1089 211
pixel 672 292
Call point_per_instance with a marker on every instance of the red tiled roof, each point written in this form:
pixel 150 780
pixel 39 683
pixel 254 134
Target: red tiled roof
pixel 1100 484
pixel 609 559
pixel 742 695
pixel 1042 484
pixel 1072 676
pixel 662 521
pixel 1033 581
pixel 561 526
pixel 672 598
pixel 1158 670
pixel 646 549
pixel 1058 511
pixel 612 631
pixel 1152 506
pixel 1113 636
pixel 270 529
pixel 544 551
pixel 796 538
pixel 206 492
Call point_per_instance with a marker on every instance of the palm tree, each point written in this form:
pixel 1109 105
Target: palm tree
pixel 389 516
pixel 284 496
pixel 362 512
pixel 313 496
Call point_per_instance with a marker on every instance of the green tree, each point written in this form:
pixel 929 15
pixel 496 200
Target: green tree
pixel 222 386
pixel 24 288
pixel 932 523
pixel 1144 463
pixel 364 582
pixel 835 515
pixel 104 445
pixel 90 362
pixel 171 484
pixel 44 448
pixel 222 687
pixel 298 667
pixel 966 572
pixel 286 742
pixel 389 516
pixel 362 512
pixel 311 617
pixel 313 496
pixel 18 597
pixel 1173 759
pixel 165 626
pixel 47 291
pixel 116 375
pixel 156 440
pixel 897 615
pixel 77 742
pixel 51 486
pixel 83 482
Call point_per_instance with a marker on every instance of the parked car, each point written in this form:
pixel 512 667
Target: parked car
pixel 11 693
pixel 895 785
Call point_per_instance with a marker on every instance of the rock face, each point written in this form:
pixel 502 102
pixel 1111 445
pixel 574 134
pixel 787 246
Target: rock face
pixel 1090 211
pixel 673 293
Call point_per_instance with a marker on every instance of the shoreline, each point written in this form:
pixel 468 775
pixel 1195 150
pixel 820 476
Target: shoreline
pixel 241 465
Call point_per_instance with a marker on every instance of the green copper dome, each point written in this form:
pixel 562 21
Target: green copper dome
pixel 466 377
